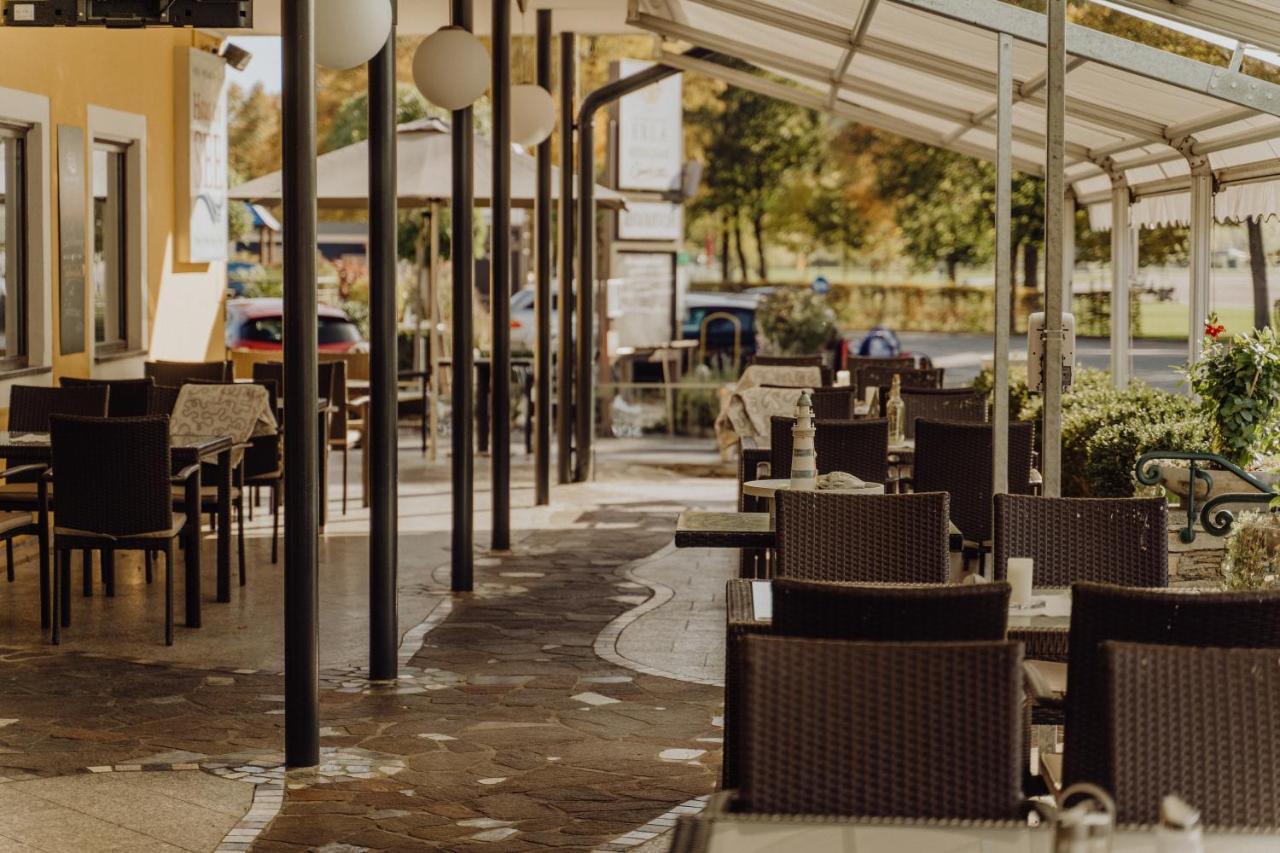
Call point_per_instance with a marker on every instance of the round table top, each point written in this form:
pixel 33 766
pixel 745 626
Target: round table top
pixel 766 488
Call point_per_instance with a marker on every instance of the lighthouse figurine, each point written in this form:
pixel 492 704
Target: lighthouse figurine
pixel 804 459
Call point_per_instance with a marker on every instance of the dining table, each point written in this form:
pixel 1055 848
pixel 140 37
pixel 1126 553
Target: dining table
pixel 185 450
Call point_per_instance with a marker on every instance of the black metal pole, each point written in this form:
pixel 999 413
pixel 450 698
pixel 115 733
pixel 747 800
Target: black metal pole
pixel 542 300
pixel 500 281
pixel 586 244
pixel 461 256
pixel 301 391
pixel 384 634
pixel 564 350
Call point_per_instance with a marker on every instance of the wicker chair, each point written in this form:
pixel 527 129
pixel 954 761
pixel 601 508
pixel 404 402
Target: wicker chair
pixel 882 377
pixel 173 374
pixel 128 398
pixel 1214 742
pixel 117 501
pixel 928 730
pixel 1100 613
pixel 1121 541
pixel 794 361
pixel 264 468
pixel 956 458
pixel 161 400
pixel 860 448
pixel 751 561
pixel 345 432
pixel 941 404
pixel 834 404
pixel 853 363
pixel 864 538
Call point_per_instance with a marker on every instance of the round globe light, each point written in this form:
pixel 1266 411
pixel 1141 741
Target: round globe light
pixel 350 32
pixel 533 114
pixel 451 68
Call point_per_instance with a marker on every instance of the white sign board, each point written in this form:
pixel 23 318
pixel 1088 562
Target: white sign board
pixel 650 133
pixel 651 220
pixel 640 298
pixel 202 157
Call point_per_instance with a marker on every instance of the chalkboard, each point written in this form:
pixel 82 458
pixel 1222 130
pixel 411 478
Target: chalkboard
pixel 71 238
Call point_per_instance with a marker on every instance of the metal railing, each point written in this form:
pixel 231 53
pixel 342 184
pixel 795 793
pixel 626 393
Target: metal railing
pixel 1215 517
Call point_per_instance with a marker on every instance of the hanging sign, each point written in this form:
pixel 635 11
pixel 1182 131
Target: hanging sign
pixel 202 156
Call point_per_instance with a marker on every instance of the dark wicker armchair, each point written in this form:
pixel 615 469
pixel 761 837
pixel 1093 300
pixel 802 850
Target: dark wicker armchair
pixel 863 538
pixel 1213 740
pixel 751 561
pixel 928 730
pixel 882 377
pixel 834 404
pixel 1100 613
pixel 117 501
pixel 942 404
pixel 857 447
pixel 172 374
pixel 853 363
pixel 127 398
pixel 956 458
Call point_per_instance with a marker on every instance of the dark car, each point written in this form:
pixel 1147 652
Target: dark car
pixel 711 308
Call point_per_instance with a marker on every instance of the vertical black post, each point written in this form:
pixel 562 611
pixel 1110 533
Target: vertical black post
pixel 384 635
pixel 584 391
pixel 564 350
pixel 542 300
pixel 500 281
pixel 464 269
pixel 301 442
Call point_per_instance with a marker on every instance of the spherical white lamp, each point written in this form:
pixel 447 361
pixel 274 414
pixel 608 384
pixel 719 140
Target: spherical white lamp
pixel 350 32
pixel 533 114
pixel 451 68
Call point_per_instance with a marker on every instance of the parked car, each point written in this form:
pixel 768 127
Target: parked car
pixel 524 328
pixel 721 330
pixel 259 324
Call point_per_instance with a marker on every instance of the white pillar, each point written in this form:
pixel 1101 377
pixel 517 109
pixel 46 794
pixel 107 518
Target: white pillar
pixel 1055 189
pixel 1121 273
pixel 1201 251
pixel 1004 265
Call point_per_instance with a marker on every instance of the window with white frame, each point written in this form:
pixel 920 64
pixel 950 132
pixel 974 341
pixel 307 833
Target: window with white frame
pixel 111 261
pixel 14 278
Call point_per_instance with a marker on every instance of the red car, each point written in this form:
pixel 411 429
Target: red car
pixel 259 324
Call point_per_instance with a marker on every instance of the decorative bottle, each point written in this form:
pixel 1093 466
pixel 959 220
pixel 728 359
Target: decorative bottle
pixel 896 411
pixel 804 459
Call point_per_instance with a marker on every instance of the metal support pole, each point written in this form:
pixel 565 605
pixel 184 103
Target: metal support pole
pixel 1068 247
pixel 565 349
pixel 1055 188
pixel 462 256
pixel 542 299
pixel 1201 253
pixel 1004 264
pixel 301 391
pixel 1121 274
pixel 384 634
pixel 500 280
pixel 586 244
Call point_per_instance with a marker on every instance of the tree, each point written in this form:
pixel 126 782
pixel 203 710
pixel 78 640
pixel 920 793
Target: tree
pixel 253 131
pixel 1258 267
pixel 351 123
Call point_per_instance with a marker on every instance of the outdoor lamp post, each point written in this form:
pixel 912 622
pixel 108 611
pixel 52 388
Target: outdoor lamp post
pixel 350 32
pixel 533 114
pixel 451 68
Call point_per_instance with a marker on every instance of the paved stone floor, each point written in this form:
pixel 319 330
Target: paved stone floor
pixel 508 729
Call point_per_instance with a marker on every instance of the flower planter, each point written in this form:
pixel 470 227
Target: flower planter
pixel 1177 481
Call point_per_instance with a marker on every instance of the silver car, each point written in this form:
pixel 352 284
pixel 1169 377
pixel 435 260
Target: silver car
pixel 524 329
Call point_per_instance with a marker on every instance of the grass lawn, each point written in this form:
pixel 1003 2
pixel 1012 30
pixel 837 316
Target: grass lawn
pixel 1168 320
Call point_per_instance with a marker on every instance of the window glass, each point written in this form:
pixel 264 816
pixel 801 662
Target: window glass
pixel 13 245
pixel 110 245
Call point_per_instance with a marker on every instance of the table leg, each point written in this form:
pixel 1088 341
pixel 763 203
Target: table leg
pixel 224 526
pixel 192 561
pixel 483 402
pixel 323 450
pixel 44 540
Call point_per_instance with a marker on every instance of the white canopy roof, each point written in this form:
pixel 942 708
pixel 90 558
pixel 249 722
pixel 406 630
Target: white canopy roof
pixel 423 17
pixel 926 69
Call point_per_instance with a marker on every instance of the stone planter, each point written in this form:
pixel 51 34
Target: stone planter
pixel 1177 481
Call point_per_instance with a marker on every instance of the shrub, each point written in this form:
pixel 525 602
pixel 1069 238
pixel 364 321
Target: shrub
pixel 1238 381
pixel 1112 453
pixel 796 322
pixel 1251 560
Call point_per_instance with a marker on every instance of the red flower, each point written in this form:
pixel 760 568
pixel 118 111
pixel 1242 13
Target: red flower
pixel 1213 330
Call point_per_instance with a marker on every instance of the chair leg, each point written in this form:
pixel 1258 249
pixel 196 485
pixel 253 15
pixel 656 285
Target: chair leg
pixel 46 601
pixel 88 573
pixel 168 594
pixel 275 524
pixel 149 560
pixel 345 460
pixel 240 543
pixel 55 604
pixel 109 572
pixel 8 549
pixel 65 598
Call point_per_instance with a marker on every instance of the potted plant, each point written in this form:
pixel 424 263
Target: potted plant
pixel 1252 556
pixel 795 322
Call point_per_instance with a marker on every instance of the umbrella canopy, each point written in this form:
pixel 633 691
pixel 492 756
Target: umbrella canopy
pixel 424 173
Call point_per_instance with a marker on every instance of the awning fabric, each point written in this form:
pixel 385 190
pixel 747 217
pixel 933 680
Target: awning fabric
pixel 926 69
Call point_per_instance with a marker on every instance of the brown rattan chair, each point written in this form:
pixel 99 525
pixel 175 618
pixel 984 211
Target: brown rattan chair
pixel 941 404
pixel 751 561
pixel 1100 613
pixel 882 377
pixel 795 361
pixel 927 730
pixel 264 468
pixel 863 538
pixel 857 447
pixel 853 363
pixel 834 404
pixel 1213 739
pixel 161 400
pixel 128 398
pixel 345 432
pixel 117 501
pixel 172 374
pixel 956 458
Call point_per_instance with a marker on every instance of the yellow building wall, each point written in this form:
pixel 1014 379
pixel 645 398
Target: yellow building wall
pixel 132 71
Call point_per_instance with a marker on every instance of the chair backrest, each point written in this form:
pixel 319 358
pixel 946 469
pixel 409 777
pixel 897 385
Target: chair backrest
pixel 112 474
pixel 1163 617
pixel 863 538
pixel 127 398
pixel 912 377
pixel 915 613
pixel 173 373
pixel 929 730
pixel 834 404
pixel 30 406
pixel 270 371
pixel 1123 541
pixel 337 396
pixel 956 458
pixel 794 361
pixel 896 362
pixel 161 399
pixel 942 404
pixel 857 447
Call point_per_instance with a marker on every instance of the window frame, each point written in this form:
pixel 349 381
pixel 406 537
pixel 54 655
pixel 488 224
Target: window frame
pixel 121 151
pixel 17 183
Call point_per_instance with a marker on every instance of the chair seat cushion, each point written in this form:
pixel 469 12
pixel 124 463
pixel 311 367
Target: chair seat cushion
pixel 1046 681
